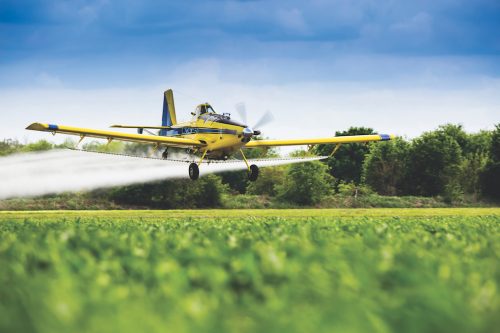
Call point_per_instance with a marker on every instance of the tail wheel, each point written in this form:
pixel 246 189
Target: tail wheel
pixel 253 173
pixel 194 171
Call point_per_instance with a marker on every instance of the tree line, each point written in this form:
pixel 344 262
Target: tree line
pixel 446 162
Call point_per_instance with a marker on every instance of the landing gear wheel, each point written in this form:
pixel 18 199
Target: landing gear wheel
pixel 253 173
pixel 165 154
pixel 194 171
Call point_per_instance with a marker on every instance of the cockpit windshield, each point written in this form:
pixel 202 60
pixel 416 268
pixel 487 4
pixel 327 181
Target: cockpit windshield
pixel 207 113
pixel 204 108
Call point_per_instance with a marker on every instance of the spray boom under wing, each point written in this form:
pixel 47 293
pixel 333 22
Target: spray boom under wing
pixel 138 126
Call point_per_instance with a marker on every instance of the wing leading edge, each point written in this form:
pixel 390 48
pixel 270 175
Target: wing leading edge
pixel 317 141
pixel 111 135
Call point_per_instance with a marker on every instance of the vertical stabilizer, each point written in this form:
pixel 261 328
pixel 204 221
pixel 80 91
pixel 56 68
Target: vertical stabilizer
pixel 168 117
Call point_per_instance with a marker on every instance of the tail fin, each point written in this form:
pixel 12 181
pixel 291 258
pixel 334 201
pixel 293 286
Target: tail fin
pixel 168 118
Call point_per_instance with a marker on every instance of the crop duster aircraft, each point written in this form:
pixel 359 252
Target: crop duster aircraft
pixel 208 135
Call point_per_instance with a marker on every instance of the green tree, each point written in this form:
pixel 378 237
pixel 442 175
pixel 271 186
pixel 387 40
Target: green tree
pixel 490 177
pixel 209 190
pixel 457 132
pixel 170 194
pixel 236 180
pixel 305 183
pixel 347 163
pixel 67 143
pixel 138 149
pixel 40 145
pixel 100 146
pixel 8 147
pixel 385 167
pixel 490 180
pixel 476 155
pixel 495 144
pixel 434 164
pixel 134 195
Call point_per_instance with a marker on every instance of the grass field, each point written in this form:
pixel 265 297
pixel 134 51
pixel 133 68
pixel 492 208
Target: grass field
pixel 377 270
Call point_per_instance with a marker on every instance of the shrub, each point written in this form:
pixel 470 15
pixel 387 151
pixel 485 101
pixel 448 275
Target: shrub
pixel 306 183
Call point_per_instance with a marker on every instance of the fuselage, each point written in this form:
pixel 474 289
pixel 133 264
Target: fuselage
pixel 222 136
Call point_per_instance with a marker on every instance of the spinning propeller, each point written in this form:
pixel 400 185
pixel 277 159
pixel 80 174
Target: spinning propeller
pixel 265 119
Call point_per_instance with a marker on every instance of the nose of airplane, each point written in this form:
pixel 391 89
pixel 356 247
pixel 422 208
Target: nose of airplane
pixel 247 132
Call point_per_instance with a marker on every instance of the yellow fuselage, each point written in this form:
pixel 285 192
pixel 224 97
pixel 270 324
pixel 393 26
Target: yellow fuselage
pixel 221 139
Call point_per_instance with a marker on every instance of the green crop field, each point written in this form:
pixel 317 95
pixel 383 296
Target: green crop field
pixel 380 270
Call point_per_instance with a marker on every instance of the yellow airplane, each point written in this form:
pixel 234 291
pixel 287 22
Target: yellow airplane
pixel 208 135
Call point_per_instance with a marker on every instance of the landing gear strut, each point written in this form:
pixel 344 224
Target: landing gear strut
pixel 253 170
pixel 194 171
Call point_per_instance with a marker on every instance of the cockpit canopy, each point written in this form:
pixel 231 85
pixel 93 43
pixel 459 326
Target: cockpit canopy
pixel 204 108
pixel 207 113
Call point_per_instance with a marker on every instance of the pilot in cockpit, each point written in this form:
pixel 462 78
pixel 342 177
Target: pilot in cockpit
pixel 203 109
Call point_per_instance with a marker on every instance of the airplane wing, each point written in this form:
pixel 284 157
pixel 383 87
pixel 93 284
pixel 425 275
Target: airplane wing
pixel 110 135
pixel 316 141
pixel 136 126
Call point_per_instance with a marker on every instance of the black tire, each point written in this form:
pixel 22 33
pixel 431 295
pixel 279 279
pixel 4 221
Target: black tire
pixel 194 171
pixel 165 154
pixel 253 173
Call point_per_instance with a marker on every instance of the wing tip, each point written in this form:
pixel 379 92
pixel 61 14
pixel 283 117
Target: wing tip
pixel 42 127
pixel 387 137
pixel 36 127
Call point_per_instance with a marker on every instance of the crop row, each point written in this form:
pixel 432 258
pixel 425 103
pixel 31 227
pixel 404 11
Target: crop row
pixel 185 274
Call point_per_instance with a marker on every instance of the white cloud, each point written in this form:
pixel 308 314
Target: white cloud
pixel 301 109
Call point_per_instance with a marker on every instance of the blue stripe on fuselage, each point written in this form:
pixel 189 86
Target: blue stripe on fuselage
pixel 385 137
pixel 195 130
pixel 53 127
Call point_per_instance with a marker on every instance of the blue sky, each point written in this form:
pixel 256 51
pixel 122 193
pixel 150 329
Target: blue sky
pixel 399 53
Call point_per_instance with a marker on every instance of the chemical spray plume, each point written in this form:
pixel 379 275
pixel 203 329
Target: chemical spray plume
pixel 56 171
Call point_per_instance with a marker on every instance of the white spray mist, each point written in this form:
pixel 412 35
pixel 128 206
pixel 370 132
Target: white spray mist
pixel 57 171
